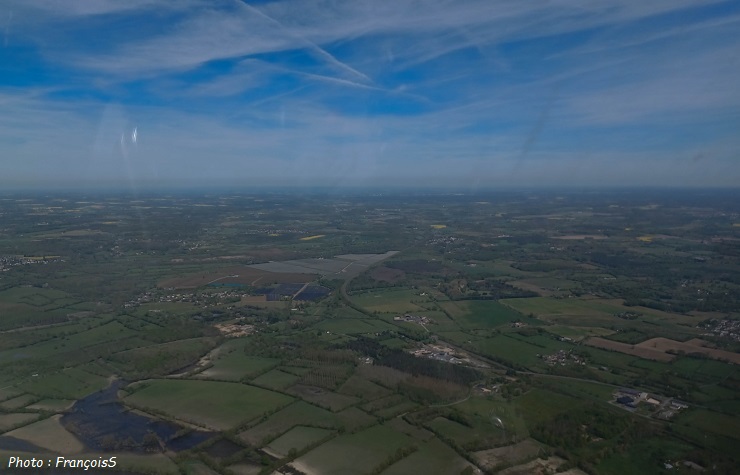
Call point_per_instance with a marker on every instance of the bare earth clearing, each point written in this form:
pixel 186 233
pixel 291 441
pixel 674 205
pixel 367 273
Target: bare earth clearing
pixel 658 348
pixel 535 467
pixel 517 453
pixel 50 435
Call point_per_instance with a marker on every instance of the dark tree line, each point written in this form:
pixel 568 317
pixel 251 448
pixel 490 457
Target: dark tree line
pixel 403 361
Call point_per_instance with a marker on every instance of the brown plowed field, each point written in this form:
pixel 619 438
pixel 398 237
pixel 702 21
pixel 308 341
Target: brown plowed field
pixel 635 350
pixel 695 345
pixel 658 348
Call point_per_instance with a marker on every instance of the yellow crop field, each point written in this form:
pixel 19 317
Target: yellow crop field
pixel 309 238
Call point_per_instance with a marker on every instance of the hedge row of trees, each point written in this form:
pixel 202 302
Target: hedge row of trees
pixel 403 361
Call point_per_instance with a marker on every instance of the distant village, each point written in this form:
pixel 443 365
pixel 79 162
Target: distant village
pixel 205 300
pixel 725 328
pixel 562 358
pixel 8 262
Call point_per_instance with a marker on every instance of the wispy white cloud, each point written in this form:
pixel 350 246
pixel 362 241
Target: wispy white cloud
pixel 665 90
pixel 613 41
pixel 313 47
pixel 212 31
pixel 357 92
pixel 77 8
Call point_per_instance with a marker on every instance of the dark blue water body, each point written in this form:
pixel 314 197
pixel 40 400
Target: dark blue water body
pixel 288 289
pixel 101 422
pixel 189 440
pixel 282 290
pixel 12 444
pixel 313 292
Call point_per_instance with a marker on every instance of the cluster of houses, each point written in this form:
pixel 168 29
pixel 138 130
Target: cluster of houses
pixel 440 353
pixel 204 300
pixel 8 262
pixel 628 315
pixel 421 320
pixel 724 328
pixel 686 463
pixel 275 231
pixel 664 408
pixel 562 358
pixel 444 240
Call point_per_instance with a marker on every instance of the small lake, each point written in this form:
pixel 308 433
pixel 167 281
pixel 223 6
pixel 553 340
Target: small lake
pixel 102 423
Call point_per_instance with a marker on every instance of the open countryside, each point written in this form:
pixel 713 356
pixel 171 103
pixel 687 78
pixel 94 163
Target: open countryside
pixel 520 346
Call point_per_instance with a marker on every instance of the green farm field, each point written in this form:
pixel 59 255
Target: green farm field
pixel 513 350
pixel 70 383
pixel 578 333
pixel 297 413
pixel 581 313
pixel 40 299
pixel 235 366
pixel 276 379
pixel 480 314
pixel 357 453
pixel 11 420
pixel 433 458
pixel 19 315
pixel 453 430
pixel 163 358
pixel 49 434
pixel 212 404
pixel 18 402
pixel 109 332
pixel 53 405
pixel 322 397
pixel 556 309
pixel 396 410
pixel 640 459
pixel 395 301
pixel 701 421
pixel 540 405
pixel 298 438
pixel 363 388
pixel 349 326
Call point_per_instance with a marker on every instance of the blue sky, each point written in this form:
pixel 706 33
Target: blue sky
pixel 472 94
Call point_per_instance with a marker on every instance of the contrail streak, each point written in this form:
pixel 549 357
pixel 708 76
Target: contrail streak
pixel 313 46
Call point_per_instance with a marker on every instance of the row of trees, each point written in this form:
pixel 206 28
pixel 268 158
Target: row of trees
pixel 403 361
